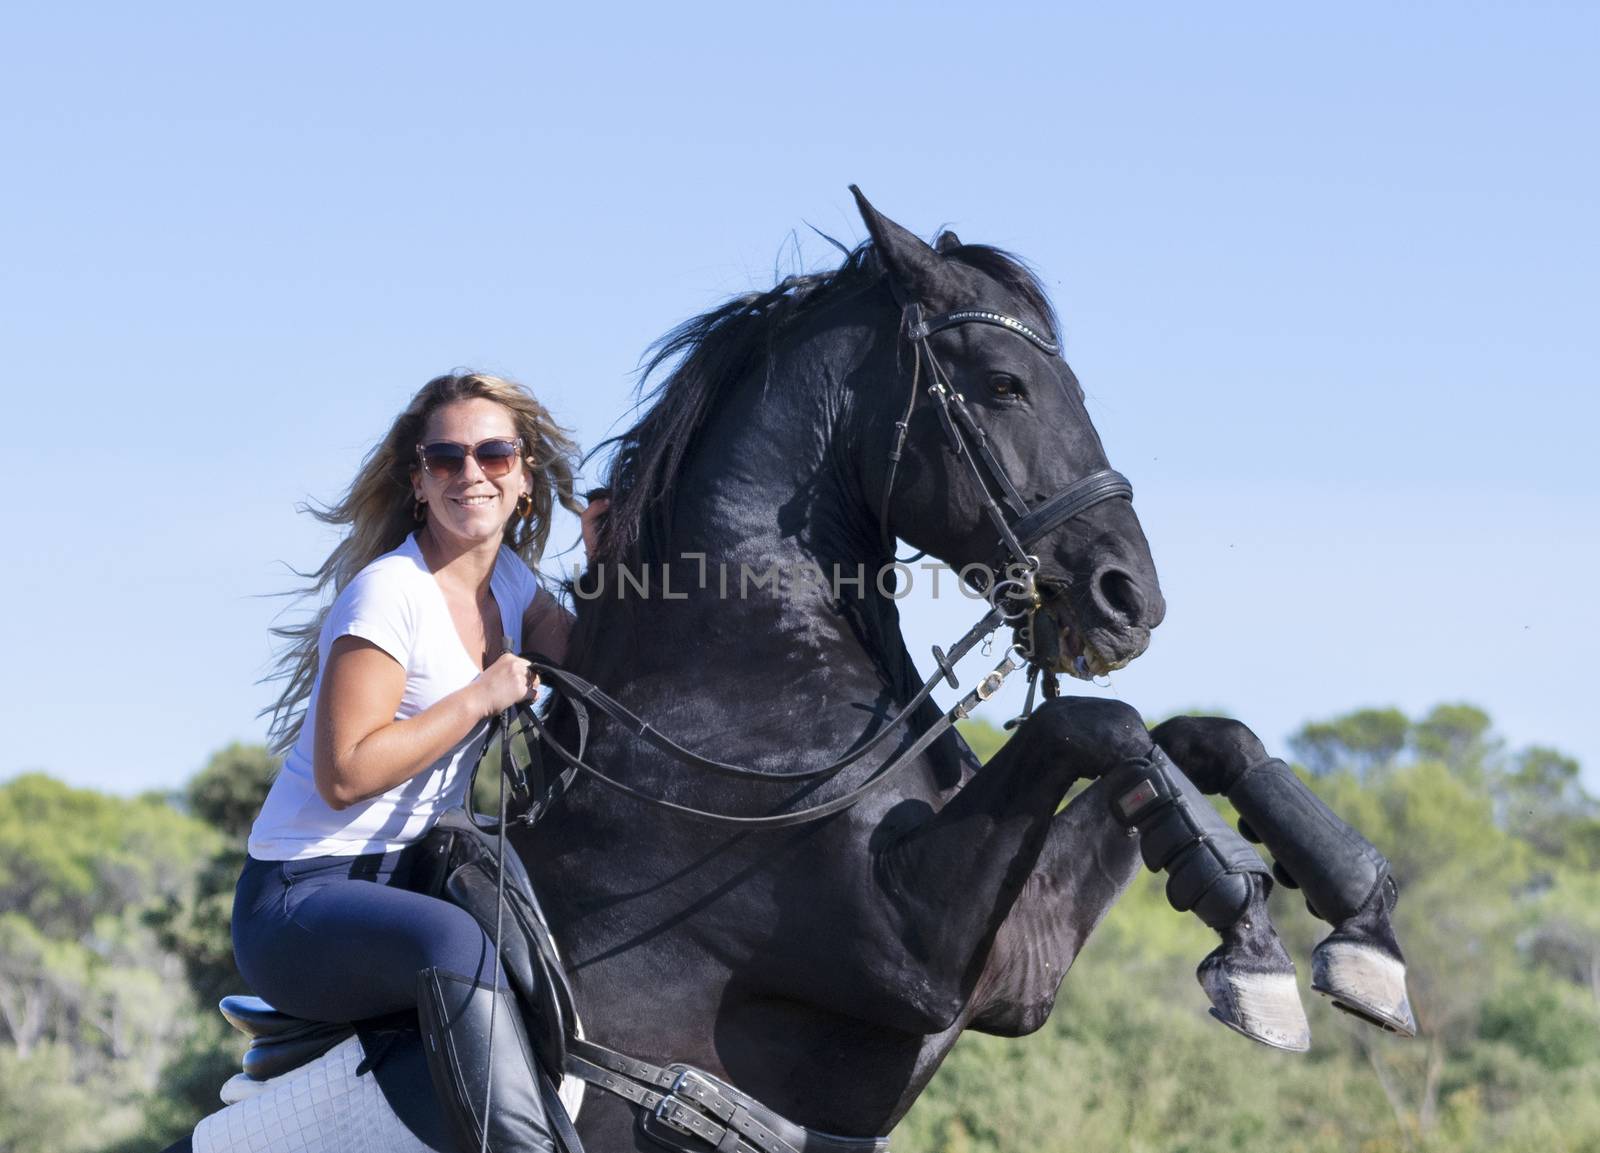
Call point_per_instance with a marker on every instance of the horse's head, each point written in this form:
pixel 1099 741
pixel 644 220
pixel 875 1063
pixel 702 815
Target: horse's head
pixel 988 373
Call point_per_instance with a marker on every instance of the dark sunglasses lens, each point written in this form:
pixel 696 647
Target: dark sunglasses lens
pixel 496 457
pixel 442 460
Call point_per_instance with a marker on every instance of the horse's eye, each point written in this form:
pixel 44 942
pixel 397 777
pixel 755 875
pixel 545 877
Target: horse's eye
pixel 1004 384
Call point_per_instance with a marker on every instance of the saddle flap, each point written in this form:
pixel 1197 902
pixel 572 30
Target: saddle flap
pixel 271 1057
pixel 465 859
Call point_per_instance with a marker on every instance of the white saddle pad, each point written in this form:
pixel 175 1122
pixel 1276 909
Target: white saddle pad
pixel 321 1107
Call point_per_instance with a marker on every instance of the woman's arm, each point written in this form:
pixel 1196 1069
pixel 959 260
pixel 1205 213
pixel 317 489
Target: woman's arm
pixel 547 626
pixel 362 751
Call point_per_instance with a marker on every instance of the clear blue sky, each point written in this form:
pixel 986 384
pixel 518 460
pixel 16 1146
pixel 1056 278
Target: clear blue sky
pixel 1328 276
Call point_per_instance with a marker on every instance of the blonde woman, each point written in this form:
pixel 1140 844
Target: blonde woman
pixel 386 709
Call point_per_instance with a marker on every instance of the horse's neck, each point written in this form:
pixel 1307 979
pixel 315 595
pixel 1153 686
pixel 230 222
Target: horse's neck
pixel 765 500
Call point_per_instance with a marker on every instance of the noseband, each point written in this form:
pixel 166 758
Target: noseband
pixel 1024 526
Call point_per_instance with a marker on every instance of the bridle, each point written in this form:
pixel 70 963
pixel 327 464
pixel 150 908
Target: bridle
pixel 968 442
pixel 1012 593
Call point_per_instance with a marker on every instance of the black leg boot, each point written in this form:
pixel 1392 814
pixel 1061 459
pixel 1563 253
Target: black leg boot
pixel 1345 880
pixel 1214 872
pixel 455 1013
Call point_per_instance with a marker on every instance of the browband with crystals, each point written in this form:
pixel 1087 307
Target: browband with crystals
pixel 925 327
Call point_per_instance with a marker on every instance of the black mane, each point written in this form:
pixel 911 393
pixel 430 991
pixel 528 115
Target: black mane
pixel 718 348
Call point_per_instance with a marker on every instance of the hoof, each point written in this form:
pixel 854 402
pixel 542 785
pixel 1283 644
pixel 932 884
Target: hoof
pixel 1365 982
pixel 1263 1005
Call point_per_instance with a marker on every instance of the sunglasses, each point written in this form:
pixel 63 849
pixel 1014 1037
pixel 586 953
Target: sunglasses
pixel 444 459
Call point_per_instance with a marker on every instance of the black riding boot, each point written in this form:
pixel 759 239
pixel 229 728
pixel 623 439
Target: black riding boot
pixel 455 1013
pixel 1214 872
pixel 1345 880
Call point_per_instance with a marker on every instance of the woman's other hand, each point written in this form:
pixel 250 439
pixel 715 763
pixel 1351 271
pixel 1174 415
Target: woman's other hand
pixel 589 519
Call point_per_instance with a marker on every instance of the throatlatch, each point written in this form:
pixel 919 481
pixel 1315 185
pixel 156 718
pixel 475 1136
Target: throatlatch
pixel 1208 865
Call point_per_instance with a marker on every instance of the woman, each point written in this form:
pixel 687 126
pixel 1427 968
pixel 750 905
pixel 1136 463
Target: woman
pixel 398 678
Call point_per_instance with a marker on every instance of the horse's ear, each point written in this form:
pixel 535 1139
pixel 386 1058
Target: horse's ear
pixel 912 265
pixel 946 242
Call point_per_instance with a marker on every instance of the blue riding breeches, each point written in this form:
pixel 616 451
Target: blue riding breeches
pixel 342 938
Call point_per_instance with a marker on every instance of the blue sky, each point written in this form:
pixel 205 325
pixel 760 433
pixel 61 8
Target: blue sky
pixel 1329 278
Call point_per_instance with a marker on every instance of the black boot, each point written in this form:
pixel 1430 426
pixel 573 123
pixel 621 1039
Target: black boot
pixel 455 1013
pixel 1214 872
pixel 1345 880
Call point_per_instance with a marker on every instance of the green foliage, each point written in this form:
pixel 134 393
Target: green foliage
pixel 1459 736
pixel 228 792
pixel 89 1002
pixel 1359 742
pixel 1551 1022
pixel 983 737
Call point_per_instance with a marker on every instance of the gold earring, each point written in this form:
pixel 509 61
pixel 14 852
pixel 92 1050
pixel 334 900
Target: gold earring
pixel 419 510
pixel 525 505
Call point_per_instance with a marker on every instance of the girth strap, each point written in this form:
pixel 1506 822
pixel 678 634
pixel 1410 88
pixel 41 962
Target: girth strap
pixel 685 1101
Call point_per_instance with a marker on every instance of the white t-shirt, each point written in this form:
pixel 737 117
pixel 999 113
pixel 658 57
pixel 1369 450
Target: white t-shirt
pixel 395 603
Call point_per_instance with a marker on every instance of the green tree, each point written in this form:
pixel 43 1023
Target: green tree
pixel 227 794
pixel 1359 742
pixel 89 1002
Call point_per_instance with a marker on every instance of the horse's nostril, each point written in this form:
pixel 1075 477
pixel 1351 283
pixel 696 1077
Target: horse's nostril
pixel 1118 595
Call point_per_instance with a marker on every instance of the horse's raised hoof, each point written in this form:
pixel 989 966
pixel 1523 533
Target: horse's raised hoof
pixel 1364 982
pixel 1359 966
pixel 1251 982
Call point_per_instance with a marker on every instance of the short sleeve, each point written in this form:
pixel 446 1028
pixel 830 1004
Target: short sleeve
pixel 524 581
pixel 375 607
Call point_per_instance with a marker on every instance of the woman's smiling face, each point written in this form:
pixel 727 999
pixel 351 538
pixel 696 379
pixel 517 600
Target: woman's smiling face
pixel 470 507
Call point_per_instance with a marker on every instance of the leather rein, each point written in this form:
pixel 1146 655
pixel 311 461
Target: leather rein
pixel 1011 599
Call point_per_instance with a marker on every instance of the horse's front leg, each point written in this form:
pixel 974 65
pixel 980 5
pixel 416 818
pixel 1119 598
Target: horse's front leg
pixel 1080 868
pixel 955 879
pixel 1346 881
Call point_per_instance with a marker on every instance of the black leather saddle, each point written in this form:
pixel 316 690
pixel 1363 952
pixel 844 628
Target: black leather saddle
pixel 279 1042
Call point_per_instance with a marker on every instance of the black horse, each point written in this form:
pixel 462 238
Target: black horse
pixel 827 968
pixel 740 603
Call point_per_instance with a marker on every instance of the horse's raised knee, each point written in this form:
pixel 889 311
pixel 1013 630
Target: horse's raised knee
pixel 1094 731
pixel 1211 751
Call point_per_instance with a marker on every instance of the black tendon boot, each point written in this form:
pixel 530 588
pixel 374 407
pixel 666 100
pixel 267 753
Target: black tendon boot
pixel 455 1013
pixel 1345 880
pixel 1214 872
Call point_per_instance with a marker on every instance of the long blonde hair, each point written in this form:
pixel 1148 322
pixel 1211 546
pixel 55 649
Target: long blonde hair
pixel 379 510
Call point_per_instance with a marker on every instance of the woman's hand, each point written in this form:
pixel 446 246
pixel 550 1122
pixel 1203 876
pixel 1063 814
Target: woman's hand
pixel 589 520
pixel 509 680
